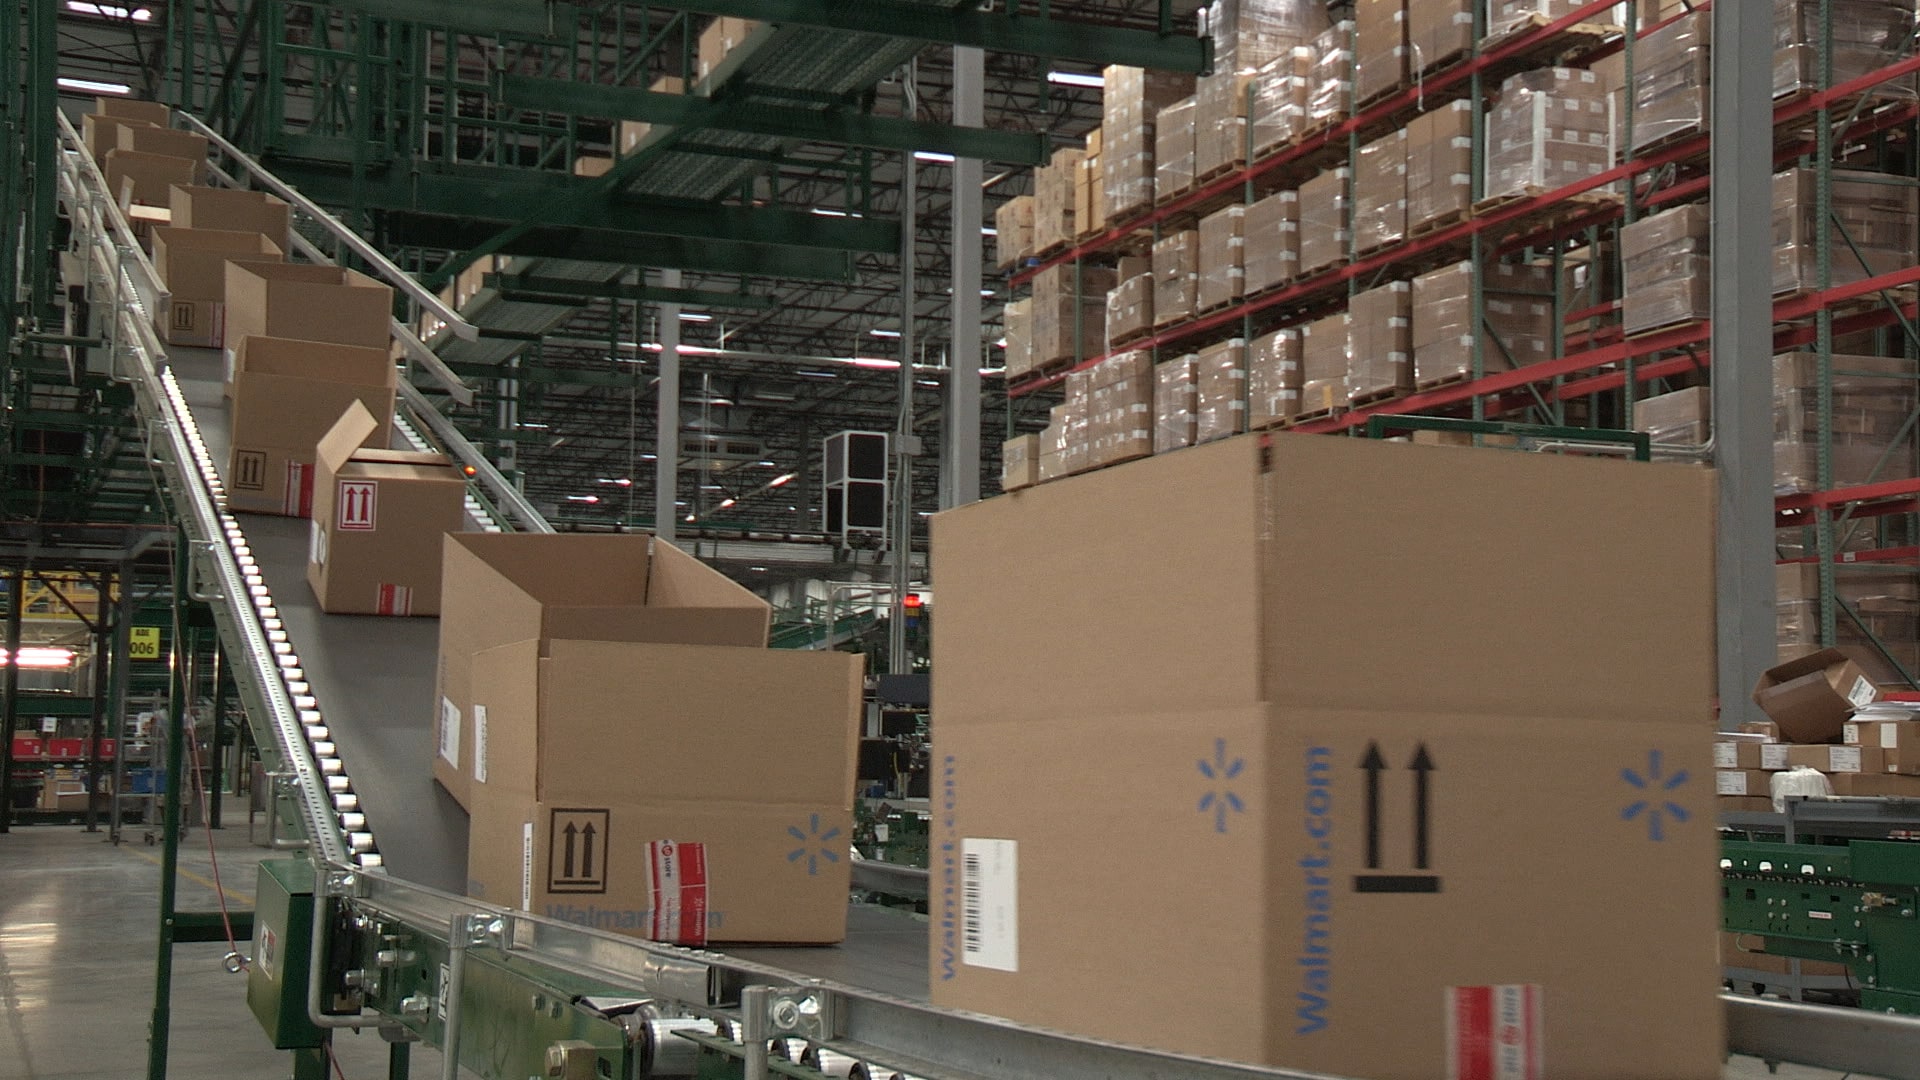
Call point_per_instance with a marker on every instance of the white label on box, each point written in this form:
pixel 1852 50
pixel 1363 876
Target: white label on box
pixel 990 903
pixel 1726 755
pixel 1850 734
pixel 1773 755
pixel 526 867
pixel 1843 758
pixel 449 732
pixel 1730 782
pixel 1889 737
pixel 1863 693
pixel 480 743
pixel 316 544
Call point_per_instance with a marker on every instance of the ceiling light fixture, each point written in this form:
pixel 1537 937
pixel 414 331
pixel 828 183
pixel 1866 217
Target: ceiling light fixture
pixel 44 657
pixel 110 11
pixel 726 504
pixel 1083 80
pixel 92 86
pixel 877 332
pixel 934 157
pixel 783 480
pixel 988 230
pixel 583 498
pixel 695 316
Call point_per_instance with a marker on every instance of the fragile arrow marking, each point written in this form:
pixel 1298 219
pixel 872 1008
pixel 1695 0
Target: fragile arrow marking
pixel 586 858
pixel 1421 765
pixel 1373 763
pixel 567 864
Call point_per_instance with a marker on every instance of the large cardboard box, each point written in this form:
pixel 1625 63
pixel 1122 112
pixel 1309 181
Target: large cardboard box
pixel 288 395
pixel 147 139
pixel 101 133
pixel 378 516
pixel 196 207
pixel 1812 696
pixel 499 588
pixel 305 301
pixel 686 793
pixel 1898 740
pixel 723 35
pixel 147 112
pixel 1220 716
pixel 192 264
pixel 144 179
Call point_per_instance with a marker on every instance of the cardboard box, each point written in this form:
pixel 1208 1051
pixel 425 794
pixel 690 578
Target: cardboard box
pixel 1380 193
pixel 146 178
pixel 1380 348
pixel 1176 276
pixel 591 165
pixel 1272 241
pixel 192 264
pixel 1019 462
pixel 1811 697
pixel 1773 756
pixel 147 139
pixel 1876 785
pixel 149 112
pixel 226 208
pixel 1174 144
pixel 501 588
pixel 101 133
pixel 1130 103
pixel 1013 231
pixel 1741 782
pixel 1737 753
pixel 287 397
pixel 378 516
pixel 645 750
pixel 1380 47
pixel 308 302
pixel 1220 381
pixel 1223 274
pixel 1273 377
pixel 1835 759
pixel 629 134
pixel 1766 729
pixel 1438 31
pixel 1897 740
pixel 1325 221
pixel 1240 785
pixel 1175 404
pixel 721 36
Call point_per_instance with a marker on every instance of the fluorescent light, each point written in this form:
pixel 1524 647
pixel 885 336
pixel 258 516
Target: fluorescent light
pixel 583 498
pixel 783 480
pixel 988 230
pixel 531 426
pixel 758 569
pixel 110 11
pixel 926 382
pixel 616 482
pixel 872 363
pixel 818 374
pixel 933 156
pixel 992 372
pixel 727 503
pixel 1000 343
pixel 1084 80
pixel 695 316
pixel 764 464
pixel 709 487
pixel 877 332
pixel 691 518
pixel 89 86
pixel 649 457
pixel 825 212
pixel 37 656
pixel 986 292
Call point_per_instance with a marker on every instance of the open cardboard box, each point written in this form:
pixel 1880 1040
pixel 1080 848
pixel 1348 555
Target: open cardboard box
pixel 287 398
pixel 192 264
pixel 1811 697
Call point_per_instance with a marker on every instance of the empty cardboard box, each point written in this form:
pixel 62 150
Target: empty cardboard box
pixel 287 397
pixel 1812 696
pixel 196 207
pixel 134 177
pixel 305 301
pixel 192 264
pixel 378 519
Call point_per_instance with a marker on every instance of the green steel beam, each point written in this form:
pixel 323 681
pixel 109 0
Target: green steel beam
pixel 620 290
pixel 846 127
pixel 484 17
pixel 551 199
pixel 993 29
pixel 537 375
pixel 623 249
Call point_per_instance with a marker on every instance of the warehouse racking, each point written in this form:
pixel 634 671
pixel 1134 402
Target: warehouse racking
pixel 1596 373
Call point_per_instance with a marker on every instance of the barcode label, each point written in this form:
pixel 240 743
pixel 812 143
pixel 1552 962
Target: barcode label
pixel 990 903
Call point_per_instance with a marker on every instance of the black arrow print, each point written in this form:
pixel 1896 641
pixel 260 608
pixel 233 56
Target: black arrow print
pixel 586 860
pixel 1373 763
pixel 1422 765
pixel 569 832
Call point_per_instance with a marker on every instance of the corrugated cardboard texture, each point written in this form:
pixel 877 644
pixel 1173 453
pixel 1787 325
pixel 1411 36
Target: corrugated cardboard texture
pixel 101 133
pixel 288 395
pixel 1380 47
pixel 1295 963
pixel 305 302
pixel 226 208
pixel 147 176
pixel 165 141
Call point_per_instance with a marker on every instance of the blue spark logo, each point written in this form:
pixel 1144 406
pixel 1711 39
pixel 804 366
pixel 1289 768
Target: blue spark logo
pixel 1655 806
pixel 1220 799
pixel 813 845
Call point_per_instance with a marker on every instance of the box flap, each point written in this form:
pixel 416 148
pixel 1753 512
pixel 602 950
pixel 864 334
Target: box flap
pixel 375 455
pixel 353 428
pixel 1799 666
pixel 317 360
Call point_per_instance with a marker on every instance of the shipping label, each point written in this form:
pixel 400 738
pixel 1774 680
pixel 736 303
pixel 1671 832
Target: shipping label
pixel 449 732
pixel 1844 759
pixel 480 743
pixel 990 903
pixel 1730 782
pixel 526 866
pixel 1773 755
pixel 316 544
pixel 677 878
pixel 1726 755
pixel 1493 1032
pixel 393 600
pixel 1889 737
pixel 1863 693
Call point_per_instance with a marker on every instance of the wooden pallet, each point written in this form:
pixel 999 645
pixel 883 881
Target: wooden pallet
pixel 1121 341
pixel 1668 140
pixel 1375 397
pixel 1441 66
pixel 1201 180
pixel 1670 324
pixel 1327 413
pixel 1201 312
pixel 1575 39
pixel 1453 378
pixel 1433 225
pixel 1161 198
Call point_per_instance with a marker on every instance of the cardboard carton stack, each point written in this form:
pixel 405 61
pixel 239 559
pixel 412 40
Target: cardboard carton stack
pixel 1120 420
pixel 1671 68
pixel 1289 953
pixel 1176 276
pixel 1878 628
pixel 1272 249
pixel 287 396
pixel 1551 128
pixel 1223 274
pixel 1379 48
pixel 1017 322
pixel 1323 364
pixel 1175 399
pixel 1069 320
pixel 1130 104
pixel 1281 88
pixel 1666 270
pixel 721 36
pixel 1013 232
pixel 1380 343
pixel 1330 83
pixel 1325 220
pixel 1220 124
pixel 1508 16
pixel 1867 35
pixel 1518 327
pixel 1020 462
pixel 1681 418
pixel 1247 36
pixel 192 264
pixel 1380 193
pixel 1089 197
pixel 1438 32
pixel 1877 231
pixel 1811 702
pixel 1872 396
pixel 1173 149
pixel 144 177
pixel 1440 166
pixel 100 129
pixel 1053 225
pixel 1130 307
pixel 609 695
pixel 1059 440
pixel 1220 380
pixel 1273 378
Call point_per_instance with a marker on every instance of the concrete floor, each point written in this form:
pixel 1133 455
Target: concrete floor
pixel 77 932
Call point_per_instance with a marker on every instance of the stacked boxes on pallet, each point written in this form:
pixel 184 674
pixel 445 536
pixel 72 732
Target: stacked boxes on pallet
pixel 1680 418
pixel 1330 82
pixel 1670 80
pixel 1120 418
pixel 1380 193
pixel 1551 128
pixel 1278 113
pixel 1130 104
pixel 1881 611
pixel 1323 365
pixel 1174 140
pixel 1517 328
pixel 1220 385
pixel 1017 321
pixel 1873 229
pixel 1872 397
pixel 1438 31
pixel 1053 224
pixel 1273 377
pixel 1379 48
pixel 1175 401
pixel 1089 196
pixel 1440 165
pixel 1013 231
pixel 1069 316
pixel 1666 271
pixel 1223 275
pixel 1867 35
pixel 1272 248
pixel 1380 345
pixel 1176 276
pixel 1325 220
pixel 1248 37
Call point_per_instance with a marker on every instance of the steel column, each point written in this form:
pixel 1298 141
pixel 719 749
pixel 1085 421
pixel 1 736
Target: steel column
pixel 117 694
pixel 900 540
pixel 43 55
pixel 10 689
pixel 102 688
pixel 666 465
pixel 960 457
pixel 177 690
pixel 1742 165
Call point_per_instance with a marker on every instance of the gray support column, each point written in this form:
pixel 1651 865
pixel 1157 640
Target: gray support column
pixel 901 529
pixel 1742 167
pixel 960 456
pixel 666 468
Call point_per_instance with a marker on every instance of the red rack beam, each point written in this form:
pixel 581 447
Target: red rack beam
pixel 1878 555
